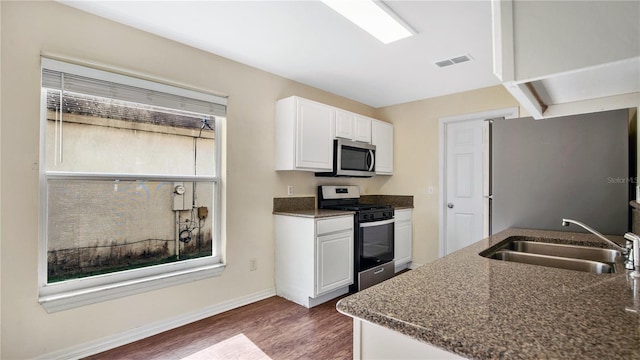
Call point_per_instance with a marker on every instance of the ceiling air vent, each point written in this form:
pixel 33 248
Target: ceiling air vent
pixel 444 63
pixel 454 60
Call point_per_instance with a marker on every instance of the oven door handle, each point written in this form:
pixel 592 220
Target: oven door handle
pixel 377 223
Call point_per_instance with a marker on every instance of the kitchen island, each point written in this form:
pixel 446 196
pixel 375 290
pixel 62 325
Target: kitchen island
pixel 474 307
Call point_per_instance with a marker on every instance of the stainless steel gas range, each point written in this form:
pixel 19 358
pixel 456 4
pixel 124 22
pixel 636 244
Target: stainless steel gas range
pixel 373 233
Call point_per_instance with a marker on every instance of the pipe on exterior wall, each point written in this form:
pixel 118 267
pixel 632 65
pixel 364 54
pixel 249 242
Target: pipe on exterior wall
pixel 177 235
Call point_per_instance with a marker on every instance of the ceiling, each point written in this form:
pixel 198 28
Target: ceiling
pixel 308 42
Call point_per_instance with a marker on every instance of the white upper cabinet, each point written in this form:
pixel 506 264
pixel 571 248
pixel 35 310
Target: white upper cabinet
pixel 344 124
pixel 305 130
pixel 353 126
pixel 362 128
pixel 304 135
pixel 382 138
pixel 554 37
pixel 565 58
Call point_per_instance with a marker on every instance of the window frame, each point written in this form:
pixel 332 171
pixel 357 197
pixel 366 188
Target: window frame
pixel 73 293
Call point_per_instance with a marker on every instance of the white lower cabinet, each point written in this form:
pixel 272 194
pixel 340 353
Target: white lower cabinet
pixel 314 258
pixel 372 341
pixel 403 238
pixel 333 267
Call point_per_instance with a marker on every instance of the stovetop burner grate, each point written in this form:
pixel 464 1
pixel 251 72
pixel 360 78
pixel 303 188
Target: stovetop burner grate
pixel 347 198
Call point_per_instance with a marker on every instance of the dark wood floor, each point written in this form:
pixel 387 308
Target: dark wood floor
pixel 280 328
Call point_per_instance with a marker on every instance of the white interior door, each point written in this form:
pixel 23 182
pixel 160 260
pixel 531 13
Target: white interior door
pixel 463 201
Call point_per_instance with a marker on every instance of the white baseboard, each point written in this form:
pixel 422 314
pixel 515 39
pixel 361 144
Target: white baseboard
pixel 413 265
pixel 110 342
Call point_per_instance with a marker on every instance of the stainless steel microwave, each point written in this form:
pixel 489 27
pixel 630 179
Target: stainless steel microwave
pixel 352 159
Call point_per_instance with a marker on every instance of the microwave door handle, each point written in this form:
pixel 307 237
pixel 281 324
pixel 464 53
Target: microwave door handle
pixel 373 160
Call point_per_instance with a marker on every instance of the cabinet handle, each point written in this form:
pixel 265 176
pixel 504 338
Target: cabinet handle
pixel 377 223
pixel 373 160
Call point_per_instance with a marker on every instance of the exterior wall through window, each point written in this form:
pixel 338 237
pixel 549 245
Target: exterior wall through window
pixel 129 185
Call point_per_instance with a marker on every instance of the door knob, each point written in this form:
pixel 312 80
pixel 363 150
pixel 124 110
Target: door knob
pixel 450 205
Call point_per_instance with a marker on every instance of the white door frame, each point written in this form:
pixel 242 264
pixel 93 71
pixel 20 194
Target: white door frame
pixel 507 113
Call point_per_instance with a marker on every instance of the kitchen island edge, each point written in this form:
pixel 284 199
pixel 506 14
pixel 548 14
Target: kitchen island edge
pixel 482 308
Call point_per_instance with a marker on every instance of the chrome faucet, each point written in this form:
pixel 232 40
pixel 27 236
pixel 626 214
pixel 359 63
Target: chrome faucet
pixel 633 254
pixel 566 222
pixel 631 251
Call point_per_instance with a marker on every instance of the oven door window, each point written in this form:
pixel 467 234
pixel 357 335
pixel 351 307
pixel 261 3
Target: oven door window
pixel 377 245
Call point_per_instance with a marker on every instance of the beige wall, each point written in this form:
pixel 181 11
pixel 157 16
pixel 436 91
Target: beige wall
pixel 416 156
pixel 250 183
pixel 32 28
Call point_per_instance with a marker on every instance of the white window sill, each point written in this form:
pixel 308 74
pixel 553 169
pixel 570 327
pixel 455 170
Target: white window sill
pixel 91 295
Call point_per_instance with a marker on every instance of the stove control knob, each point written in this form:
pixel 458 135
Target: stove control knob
pixel 365 216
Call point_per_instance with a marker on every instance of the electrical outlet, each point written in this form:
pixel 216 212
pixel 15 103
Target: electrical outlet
pixel 253 264
pixel 290 190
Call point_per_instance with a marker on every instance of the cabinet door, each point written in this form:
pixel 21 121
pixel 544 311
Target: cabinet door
pixel 344 124
pixel 402 244
pixel 403 237
pixel 362 129
pixel 314 148
pixel 334 261
pixel 382 138
pixel 353 126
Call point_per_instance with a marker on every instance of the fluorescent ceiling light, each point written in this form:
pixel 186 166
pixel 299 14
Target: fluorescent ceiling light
pixel 374 17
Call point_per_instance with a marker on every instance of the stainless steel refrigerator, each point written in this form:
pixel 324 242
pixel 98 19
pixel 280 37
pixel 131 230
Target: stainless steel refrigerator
pixel 573 167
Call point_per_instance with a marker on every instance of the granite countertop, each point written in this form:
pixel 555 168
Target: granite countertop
pixel 314 213
pixel 486 309
pixel 305 206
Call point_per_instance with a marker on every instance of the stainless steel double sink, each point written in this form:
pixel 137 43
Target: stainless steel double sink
pixel 563 256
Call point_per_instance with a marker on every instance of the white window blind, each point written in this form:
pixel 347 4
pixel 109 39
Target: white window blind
pixel 70 78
